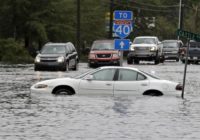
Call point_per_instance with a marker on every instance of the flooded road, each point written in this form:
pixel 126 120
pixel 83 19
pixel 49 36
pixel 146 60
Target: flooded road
pixel 24 116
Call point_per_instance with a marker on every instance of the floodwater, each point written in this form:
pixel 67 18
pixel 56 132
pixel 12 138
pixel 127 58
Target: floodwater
pixel 27 117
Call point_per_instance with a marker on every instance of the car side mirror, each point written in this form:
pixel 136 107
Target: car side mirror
pixel 89 77
pixel 87 50
pixel 38 52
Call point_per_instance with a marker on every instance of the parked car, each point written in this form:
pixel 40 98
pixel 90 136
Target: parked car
pixel 193 54
pixel 103 53
pixel 171 49
pixel 147 48
pixel 109 80
pixel 59 56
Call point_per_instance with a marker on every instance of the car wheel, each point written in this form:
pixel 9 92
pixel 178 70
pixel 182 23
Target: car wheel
pixel 66 68
pixel 129 61
pixel 75 66
pixel 90 65
pixel 177 59
pixel 63 91
pixel 183 61
pixel 36 68
pixel 156 61
pixel 136 61
pixel 153 93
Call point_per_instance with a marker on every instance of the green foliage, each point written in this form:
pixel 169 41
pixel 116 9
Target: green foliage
pixel 36 22
pixel 13 52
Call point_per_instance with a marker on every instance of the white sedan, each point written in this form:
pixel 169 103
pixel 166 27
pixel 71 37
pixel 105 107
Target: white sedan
pixel 110 80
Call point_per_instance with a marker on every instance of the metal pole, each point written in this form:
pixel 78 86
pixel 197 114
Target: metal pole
pixel 111 19
pixel 121 57
pixel 78 33
pixel 185 70
pixel 179 20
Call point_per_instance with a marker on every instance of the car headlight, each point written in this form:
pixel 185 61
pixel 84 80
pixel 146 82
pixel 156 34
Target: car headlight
pixel 37 59
pixel 41 86
pixel 153 48
pixel 91 56
pixel 60 59
pixel 115 55
pixel 132 48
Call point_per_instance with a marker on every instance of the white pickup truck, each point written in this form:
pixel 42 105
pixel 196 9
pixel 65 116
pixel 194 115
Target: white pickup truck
pixel 146 48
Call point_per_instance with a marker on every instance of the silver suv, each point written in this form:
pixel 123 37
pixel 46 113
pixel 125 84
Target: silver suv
pixel 59 56
pixel 147 48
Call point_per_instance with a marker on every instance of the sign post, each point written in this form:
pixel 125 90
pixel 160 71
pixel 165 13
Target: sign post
pixel 189 36
pixel 122 27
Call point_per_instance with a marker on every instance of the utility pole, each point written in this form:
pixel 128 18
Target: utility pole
pixel 78 32
pixel 180 16
pixel 111 18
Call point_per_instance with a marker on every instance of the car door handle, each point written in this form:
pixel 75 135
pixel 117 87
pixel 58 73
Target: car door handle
pixel 108 84
pixel 143 84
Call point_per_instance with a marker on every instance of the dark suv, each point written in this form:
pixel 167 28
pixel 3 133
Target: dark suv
pixel 193 54
pixel 103 53
pixel 171 49
pixel 58 56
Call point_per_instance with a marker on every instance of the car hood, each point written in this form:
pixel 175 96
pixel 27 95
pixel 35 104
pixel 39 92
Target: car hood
pixel 50 55
pixel 104 51
pixel 144 45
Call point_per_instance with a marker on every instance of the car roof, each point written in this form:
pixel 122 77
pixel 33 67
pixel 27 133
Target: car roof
pixel 119 67
pixel 50 43
pixel 105 40
pixel 171 40
pixel 146 37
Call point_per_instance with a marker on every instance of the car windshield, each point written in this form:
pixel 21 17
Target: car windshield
pixel 53 49
pixel 103 46
pixel 170 44
pixel 144 41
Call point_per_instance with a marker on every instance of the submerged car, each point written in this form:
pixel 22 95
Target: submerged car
pixel 103 53
pixel 59 56
pixel 109 80
pixel 171 49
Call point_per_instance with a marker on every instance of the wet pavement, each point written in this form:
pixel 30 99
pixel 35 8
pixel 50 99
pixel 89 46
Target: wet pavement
pixel 24 116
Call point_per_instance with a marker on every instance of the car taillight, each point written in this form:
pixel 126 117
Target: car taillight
pixel 91 56
pixel 179 87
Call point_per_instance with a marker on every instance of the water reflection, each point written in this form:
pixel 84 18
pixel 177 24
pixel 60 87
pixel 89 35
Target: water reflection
pixel 96 117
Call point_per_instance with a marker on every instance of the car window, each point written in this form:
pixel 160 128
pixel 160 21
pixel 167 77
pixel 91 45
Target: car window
pixel 127 75
pixel 130 75
pixel 170 44
pixel 73 48
pixel 53 49
pixel 103 46
pixel 144 41
pixel 141 77
pixel 104 75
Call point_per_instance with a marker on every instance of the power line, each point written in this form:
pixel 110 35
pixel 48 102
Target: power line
pixel 158 6
pixel 141 8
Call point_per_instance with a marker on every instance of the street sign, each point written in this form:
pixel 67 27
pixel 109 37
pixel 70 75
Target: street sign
pixel 122 44
pixel 123 15
pixel 123 23
pixel 188 35
pixel 123 30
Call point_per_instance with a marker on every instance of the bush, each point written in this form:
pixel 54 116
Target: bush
pixel 13 52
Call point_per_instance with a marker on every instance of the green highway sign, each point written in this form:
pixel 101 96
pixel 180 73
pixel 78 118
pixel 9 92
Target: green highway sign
pixel 188 35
